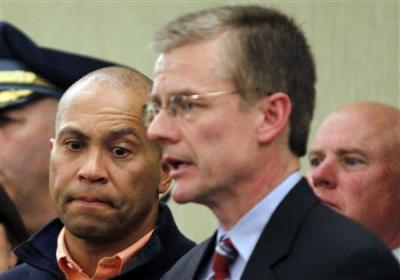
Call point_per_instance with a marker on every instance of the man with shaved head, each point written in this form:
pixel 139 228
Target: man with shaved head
pixel 105 178
pixel 32 80
pixel 355 167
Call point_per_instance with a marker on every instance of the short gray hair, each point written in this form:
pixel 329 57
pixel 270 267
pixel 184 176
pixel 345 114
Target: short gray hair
pixel 267 53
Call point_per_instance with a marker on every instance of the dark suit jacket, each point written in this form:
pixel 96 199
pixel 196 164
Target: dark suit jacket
pixel 304 240
pixel 166 245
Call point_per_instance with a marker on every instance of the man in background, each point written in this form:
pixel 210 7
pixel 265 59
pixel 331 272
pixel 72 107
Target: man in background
pixel 355 167
pixel 105 179
pixel 12 231
pixel 232 102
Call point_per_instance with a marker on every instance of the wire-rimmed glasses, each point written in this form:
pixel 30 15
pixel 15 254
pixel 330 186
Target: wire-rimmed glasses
pixel 176 105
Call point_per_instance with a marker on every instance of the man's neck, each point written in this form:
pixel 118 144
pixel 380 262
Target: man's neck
pixel 86 255
pixel 237 203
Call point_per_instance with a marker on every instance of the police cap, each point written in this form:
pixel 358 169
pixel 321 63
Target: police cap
pixel 28 72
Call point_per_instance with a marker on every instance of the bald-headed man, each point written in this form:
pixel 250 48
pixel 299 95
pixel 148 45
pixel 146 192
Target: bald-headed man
pixel 105 178
pixel 355 167
pixel 32 79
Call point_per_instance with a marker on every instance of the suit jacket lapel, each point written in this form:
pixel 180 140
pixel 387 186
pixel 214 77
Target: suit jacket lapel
pixel 199 260
pixel 280 232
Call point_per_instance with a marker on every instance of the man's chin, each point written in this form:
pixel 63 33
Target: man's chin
pixel 181 199
pixel 91 232
pixel 191 193
pixel 180 194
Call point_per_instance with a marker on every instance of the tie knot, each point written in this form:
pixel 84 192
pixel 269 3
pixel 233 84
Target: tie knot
pixel 225 248
pixel 224 255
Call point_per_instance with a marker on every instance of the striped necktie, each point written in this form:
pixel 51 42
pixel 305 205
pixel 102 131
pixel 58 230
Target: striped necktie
pixel 224 255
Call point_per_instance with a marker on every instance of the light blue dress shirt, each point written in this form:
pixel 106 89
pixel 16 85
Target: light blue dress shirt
pixel 246 232
pixel 396 253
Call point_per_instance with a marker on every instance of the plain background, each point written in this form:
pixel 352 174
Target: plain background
pixel 355 45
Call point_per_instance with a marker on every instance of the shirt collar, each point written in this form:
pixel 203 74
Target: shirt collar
pixel 68 265
pixel 246 232
pixel 396 253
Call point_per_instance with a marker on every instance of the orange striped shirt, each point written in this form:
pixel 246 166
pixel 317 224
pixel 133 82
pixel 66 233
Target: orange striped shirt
pixel 106 268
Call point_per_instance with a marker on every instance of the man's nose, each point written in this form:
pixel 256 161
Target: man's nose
pixel 163 128
pixel 324 175
pixel 93 168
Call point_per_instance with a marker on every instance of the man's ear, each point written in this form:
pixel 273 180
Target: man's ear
pixel 52 141
pixel 275 112
pixel 165 181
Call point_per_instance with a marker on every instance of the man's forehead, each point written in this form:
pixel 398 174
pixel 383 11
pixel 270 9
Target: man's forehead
pixel 100 103
pixel 197 56
pixel 371 114
pixel 188 80
pixel 89 86
pixel 104 91
pixel 353 130
pixel 160 61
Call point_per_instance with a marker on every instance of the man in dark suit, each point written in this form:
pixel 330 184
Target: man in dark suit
pixel 232 101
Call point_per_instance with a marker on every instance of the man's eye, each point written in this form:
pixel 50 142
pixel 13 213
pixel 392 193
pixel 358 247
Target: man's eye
pixel 314 161
pixel 351 161
pixel 6 120
pixel 120 152
pixel 178 102
pixel 189 105
pixel 182 102
pixel 74 145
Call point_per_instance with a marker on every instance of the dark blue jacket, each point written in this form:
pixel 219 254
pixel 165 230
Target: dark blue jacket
pixel 165 247
pixel 303 240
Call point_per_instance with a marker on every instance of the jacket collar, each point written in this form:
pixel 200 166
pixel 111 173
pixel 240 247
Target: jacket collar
pixel 279 234
pixel 40 250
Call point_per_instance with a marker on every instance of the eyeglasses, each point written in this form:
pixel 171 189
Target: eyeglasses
pixel 176 105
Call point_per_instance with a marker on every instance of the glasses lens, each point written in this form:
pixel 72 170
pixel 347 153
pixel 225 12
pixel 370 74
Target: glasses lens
pixel 177 103
pixel 149 111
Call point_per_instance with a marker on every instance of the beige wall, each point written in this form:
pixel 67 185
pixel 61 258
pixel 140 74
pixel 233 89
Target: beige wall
pixel 356 46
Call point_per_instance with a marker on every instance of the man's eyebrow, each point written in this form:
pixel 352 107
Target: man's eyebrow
pixel 119 133
pixel 343 151
pixel 4 118
pixel 73 131
pixel 315 152
pixel 187 91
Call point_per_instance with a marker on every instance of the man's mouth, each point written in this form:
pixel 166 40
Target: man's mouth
pixel 176 166
pixel 91 201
